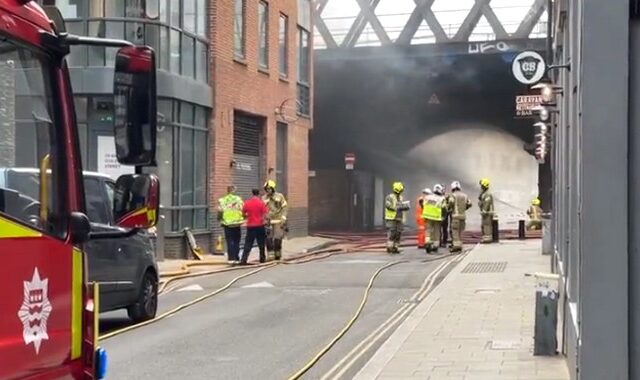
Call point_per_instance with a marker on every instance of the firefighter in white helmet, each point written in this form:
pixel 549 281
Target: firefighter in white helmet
pixel 432 213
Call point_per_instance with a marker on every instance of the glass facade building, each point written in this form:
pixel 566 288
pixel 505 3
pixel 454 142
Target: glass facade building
pixel 178 32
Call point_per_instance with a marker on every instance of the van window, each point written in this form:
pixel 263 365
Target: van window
pixel 97 210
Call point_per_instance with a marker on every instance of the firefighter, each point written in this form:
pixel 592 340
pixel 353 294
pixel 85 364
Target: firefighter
pixel 534 212
pixel 433 205
pixel 458 203
pixel 485 203
pixel 446 218
pixel 276 219
pixel 394 216
pixel 231 218
pixel 420 220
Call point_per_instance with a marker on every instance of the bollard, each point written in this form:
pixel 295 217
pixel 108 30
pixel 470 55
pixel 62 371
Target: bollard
pixel 495 231
pixel 521 230
pixel 159 246
pixel 546 314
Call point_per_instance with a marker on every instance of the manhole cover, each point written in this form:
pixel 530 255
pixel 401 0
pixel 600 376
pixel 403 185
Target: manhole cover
pixel 485 267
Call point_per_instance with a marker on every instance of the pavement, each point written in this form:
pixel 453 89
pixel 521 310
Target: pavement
pixel 474 326
pixel 270 324
pixel 291 247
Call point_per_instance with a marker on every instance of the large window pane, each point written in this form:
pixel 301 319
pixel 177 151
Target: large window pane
pixel 96 8
pixel 283 48
pixel 186 219
pixel 202 157
pixel 174 61
pixel 78 55
pixel 162 55
pixel 96 53
pixel 165 163
pixel 134 32
pixel 175 13
pixel 304 14
pixel 201 217
pixel 152 10
pixel 263 34
pixel 134 8
pixel 303 56
pixel 189 16
pixel 202 59
pixel 239 28
pixel 114 30
pixel 186 114
pixel 201 14
pixel 114 8
pixel 186 167
pixel 201 117
pixel 165 109
pixel 164 11
pixel 187 56
pixel 152 39
pixel 72 8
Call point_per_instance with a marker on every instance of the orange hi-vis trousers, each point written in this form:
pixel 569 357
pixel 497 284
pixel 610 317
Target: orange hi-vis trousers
pixel 422 226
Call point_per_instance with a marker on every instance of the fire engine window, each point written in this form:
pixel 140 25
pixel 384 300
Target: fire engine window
pixel 97 210
pixel 28 138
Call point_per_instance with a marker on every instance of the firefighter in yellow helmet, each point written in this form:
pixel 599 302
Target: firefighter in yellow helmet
pixel 394 217
pixel 535 214
pixel 276 220
pixel 487 211
pixel 433 213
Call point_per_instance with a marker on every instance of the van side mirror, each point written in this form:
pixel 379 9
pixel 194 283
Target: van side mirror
pixel 136 201
pixel 134 99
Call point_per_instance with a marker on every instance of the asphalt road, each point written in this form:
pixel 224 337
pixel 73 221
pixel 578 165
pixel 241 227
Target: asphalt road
pixel 268 325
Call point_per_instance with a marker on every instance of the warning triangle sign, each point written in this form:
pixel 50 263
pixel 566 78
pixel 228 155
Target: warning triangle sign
pixel 434 99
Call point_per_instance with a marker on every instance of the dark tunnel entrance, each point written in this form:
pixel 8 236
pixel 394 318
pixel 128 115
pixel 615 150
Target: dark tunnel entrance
pixel 419 118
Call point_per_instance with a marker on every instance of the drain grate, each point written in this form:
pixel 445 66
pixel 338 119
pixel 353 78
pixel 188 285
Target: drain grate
pixel 485 267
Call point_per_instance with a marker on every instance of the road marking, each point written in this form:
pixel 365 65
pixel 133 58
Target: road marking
pixel 191 288
pixel 356 261
pixel 357 352
pixel 262 284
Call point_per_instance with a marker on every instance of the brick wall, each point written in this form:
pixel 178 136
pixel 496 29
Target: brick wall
pixel 239 85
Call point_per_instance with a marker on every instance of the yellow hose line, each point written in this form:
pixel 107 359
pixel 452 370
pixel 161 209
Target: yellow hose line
pixel 365 297
pixel 183 306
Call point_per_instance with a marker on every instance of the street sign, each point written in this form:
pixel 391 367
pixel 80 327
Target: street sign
pixel 528 67
pixel 349 160
pixel 434 99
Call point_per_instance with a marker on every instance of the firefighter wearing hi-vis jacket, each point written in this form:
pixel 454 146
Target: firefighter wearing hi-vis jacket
pixel 433 206
pixel 277 219
pixel 394 217
pixel 457 203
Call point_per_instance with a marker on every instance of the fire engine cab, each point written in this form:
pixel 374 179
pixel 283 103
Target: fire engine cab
pixel 48 310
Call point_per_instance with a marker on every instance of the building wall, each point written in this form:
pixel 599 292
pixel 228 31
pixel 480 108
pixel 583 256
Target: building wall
pixel 595 248
pixel 240 85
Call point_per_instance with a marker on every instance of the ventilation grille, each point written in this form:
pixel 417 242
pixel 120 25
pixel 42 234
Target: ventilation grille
pixel 485 267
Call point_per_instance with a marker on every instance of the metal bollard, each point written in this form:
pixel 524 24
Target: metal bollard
pixel 521 230
pixel 546 320
pixel 160 238
pixel 495 231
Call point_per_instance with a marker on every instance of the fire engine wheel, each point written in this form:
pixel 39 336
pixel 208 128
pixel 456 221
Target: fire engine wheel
pixel 147 305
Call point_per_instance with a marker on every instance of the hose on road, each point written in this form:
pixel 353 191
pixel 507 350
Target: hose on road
pixel 326 349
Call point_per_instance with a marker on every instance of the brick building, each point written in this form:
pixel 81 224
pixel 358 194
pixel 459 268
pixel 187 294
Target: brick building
pixel 224 68
pixel 260 63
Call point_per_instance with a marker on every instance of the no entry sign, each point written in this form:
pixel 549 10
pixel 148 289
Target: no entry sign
pixel 349 160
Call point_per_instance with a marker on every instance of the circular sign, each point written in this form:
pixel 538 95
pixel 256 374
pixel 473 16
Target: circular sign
pixel 528 67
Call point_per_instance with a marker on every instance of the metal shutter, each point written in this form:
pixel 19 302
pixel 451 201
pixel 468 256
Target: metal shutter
pixel 246 153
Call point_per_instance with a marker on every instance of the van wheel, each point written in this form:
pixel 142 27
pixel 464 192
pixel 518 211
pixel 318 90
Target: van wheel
pixel 147 305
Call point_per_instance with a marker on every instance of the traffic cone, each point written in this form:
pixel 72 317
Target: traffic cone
pixel 219 245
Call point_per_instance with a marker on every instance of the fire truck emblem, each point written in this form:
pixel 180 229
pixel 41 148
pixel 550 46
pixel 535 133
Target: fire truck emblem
pixel 35 311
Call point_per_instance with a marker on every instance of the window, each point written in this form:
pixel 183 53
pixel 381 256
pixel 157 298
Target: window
pixel 97 210
pixel 304 73
pixel 189 16
pixel 182 163
pixel 72 8
pixel 187 56
pixel 175 13
pixel 239 31
pixel 29 136
pixel 263 33
pixel 283 47
pixel 201 14
pixel 202 60
pixel 114 8
pixel 174 53
pixel 304 14
pixel 281 156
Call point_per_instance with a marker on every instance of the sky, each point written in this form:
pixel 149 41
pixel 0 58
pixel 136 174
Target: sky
pixel 393 14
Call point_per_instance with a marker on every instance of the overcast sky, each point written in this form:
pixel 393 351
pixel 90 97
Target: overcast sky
pixel 393 14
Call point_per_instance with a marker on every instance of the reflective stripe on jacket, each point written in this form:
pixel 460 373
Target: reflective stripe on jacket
pixel 432 207
pixel 392 209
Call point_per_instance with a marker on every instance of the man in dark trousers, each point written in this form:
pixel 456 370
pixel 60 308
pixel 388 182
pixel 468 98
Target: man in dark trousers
pixel 230 216
pixel 255 212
